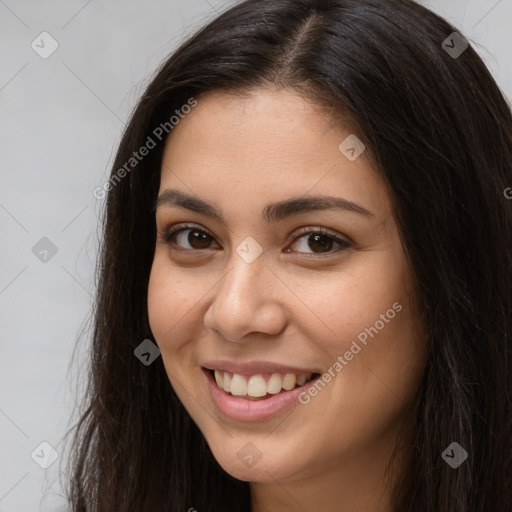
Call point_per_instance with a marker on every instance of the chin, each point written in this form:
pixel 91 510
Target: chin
pixel 243 461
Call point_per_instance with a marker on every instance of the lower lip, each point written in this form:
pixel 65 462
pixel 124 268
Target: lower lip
pixel 253 410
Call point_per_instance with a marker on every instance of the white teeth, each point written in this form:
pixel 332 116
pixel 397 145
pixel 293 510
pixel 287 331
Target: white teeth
pixel 238 385
pixel 274 384
pixel 289 381
pixel 256 386
pixel 219 378
pixel 227 382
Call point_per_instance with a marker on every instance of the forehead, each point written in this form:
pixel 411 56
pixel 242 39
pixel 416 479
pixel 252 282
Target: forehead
pixel 264 145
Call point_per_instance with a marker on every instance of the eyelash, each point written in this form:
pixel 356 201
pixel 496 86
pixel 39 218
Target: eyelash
pixel 174 230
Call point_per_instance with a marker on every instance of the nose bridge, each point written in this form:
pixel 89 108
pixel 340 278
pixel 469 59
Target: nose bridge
pixel 242 300
pixel 247 270
pixel 242 285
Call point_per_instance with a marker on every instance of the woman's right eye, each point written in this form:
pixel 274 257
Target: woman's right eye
pixel 183 234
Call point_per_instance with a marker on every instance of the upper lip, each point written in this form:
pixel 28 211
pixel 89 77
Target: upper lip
pixel 255 367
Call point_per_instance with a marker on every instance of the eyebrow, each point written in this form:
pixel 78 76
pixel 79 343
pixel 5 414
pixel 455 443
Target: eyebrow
pixel 272 212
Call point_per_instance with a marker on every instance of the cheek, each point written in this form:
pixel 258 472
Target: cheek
pixel 348 303
pixel 383 345
pixel 168 300
pixel 171 319
pixel 373 326
pixel 159 301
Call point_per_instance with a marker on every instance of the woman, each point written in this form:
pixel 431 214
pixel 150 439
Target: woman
pixel 304 287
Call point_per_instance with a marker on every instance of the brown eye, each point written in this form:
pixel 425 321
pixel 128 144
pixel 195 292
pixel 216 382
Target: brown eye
pixel 320 242
pixel 195 238
pixel 198 237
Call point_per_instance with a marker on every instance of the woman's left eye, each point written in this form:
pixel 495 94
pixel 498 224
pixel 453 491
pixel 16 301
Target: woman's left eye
pixel 321 238
pixel 198 239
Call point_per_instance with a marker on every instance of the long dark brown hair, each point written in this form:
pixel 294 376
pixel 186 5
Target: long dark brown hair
pixel 441 132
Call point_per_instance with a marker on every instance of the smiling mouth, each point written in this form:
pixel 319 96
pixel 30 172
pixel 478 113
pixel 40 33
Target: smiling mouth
pixel 259 386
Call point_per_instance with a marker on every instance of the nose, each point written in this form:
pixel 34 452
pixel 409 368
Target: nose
pixel 246 300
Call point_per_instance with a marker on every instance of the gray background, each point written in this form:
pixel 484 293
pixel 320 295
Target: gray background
pixel 60 123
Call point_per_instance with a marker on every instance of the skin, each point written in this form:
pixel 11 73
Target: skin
pixel 302 307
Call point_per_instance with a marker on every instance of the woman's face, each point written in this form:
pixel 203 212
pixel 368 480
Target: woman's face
pixel 258 292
